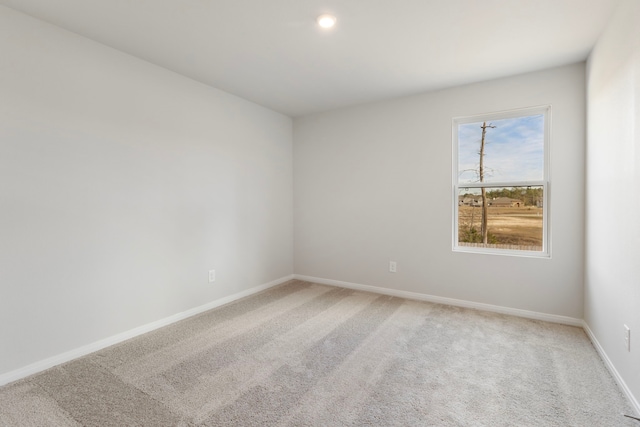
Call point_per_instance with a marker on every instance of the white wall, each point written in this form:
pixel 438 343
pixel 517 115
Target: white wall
pixel 121 184
pixel 612 282
pixel 373 184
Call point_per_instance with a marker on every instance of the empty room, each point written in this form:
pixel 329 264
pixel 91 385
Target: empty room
pixel 319 213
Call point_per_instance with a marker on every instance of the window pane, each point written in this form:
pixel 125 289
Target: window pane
pixel 513 150
pixel 514 217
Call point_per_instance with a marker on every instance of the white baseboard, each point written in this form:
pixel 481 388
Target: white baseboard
pixel 99 345
pixel 565 320
pixel 612 369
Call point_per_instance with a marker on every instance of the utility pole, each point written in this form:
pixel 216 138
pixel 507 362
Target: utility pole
pixel 485 213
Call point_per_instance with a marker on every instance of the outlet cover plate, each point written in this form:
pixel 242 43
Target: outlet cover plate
pixel 627 337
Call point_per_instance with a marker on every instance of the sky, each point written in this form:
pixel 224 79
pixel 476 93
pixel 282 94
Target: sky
pixel 514 150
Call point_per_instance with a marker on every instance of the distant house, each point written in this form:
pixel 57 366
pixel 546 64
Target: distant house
pixel 475 201
pixel 505 202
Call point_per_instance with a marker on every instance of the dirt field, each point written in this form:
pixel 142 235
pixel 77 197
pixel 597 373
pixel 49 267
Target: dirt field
pixel 517 226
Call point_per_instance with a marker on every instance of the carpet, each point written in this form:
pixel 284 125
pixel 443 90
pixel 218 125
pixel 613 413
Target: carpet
pixel 303 354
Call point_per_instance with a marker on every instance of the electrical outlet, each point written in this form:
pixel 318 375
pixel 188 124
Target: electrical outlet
pixel 212 276
pixel 627 337
pixel 392 266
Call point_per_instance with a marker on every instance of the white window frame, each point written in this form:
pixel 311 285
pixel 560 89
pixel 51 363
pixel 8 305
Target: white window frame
pixel 545 110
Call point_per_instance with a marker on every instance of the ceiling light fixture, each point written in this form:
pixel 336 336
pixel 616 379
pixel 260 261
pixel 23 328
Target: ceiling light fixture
pixel 326 21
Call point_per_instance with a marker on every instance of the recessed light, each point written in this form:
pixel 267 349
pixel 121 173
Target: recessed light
pixel 326 21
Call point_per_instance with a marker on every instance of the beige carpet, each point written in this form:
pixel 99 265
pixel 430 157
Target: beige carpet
pixel 303 354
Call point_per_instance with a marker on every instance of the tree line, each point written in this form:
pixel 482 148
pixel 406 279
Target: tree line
pixel 531 196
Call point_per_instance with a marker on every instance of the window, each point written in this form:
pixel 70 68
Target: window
pixel 501 182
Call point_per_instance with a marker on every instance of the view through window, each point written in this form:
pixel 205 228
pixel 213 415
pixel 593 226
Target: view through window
pixel 501 182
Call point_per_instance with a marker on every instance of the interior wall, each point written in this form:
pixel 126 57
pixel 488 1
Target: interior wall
pixel 612 282
pixel 121 185
pixel 373 184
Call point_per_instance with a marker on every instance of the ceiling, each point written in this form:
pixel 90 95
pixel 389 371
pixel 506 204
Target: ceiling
pixel 273 53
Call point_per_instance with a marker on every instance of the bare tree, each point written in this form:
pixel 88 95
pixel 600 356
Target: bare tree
pixel 485 213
